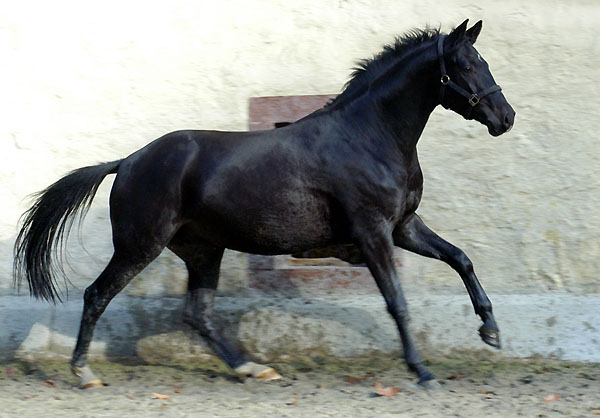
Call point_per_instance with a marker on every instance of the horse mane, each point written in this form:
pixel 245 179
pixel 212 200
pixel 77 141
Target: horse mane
pixel 367 70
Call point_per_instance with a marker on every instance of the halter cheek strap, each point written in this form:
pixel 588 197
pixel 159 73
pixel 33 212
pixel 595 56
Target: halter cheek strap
pixel 472 98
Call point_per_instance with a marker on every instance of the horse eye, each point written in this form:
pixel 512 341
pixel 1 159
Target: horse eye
pixel 468 68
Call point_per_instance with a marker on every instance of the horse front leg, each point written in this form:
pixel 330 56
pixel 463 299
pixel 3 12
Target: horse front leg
pixel 377 247
pixel 413 235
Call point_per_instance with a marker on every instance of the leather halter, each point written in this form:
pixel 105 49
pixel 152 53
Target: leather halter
pixel 472 98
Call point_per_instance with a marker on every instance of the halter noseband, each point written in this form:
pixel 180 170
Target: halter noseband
pixel 473 98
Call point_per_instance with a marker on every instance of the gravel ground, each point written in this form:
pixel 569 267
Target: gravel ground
pixel 470 387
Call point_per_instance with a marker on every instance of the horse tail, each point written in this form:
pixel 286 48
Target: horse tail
pixel 41 241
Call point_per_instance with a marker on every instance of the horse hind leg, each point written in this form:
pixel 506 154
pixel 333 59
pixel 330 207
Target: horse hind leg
pixel 117 274
pixel 203 263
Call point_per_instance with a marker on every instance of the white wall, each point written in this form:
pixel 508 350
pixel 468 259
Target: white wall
pixel 87 82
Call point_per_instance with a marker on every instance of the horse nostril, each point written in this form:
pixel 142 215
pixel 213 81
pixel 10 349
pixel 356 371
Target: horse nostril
pixel 509 118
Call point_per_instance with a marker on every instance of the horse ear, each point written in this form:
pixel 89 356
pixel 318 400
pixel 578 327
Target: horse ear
pixel 473 33
pixel 457 35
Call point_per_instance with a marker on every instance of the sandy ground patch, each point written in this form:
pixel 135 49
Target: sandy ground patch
pixel 470 387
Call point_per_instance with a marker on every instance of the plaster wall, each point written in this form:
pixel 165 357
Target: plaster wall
pixel 88 82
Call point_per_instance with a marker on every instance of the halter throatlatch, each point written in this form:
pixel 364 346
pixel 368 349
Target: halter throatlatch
pixel 472 98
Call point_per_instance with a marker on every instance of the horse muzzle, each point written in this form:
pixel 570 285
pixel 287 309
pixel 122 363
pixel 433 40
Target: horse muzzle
pixel 502 125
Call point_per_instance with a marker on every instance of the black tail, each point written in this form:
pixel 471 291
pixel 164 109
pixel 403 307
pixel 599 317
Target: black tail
pixel 39 245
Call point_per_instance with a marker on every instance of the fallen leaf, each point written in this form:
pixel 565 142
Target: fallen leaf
pixel 292 401
pixel 596 411
pixel 386 392
pixel 456 377
pixel 486 392
pixel 48 383
pixel 177 389
pixel 10 371
pixel 551 398
pixel 160 396
pixel 354 380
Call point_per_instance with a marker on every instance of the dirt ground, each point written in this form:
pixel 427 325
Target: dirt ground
pixel 470 387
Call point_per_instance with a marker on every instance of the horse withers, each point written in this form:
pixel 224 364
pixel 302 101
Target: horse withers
pixel 346 175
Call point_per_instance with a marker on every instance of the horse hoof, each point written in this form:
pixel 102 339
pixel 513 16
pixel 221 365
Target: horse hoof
pixel 258 371
pixel 92 384
pixel 268 374
pixel 430 384
pixel 490 336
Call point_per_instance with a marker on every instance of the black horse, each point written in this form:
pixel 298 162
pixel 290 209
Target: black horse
pixel 346 174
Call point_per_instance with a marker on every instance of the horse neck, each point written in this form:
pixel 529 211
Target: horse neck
pixel 404 96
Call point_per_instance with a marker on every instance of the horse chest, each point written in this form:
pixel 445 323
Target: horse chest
pixel 413 185
pixel 402 200
pixel 414 191
pixel 412 200
pixel 403 204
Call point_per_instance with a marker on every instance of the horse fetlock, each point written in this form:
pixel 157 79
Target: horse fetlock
pixel 421 371
pixel 88 378
pixel 490 322
pixel 484 309
pixel 430 384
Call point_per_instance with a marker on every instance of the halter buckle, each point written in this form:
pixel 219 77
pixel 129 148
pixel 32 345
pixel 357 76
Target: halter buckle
pixel 474 99
pixel 445 79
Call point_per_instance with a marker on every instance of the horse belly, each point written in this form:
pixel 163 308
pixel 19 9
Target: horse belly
pixel 277 223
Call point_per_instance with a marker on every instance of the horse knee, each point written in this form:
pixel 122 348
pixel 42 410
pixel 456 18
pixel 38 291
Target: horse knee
pixel 460 261
pixel 466 263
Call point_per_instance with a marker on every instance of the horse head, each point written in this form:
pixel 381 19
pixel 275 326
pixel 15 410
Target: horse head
pixel 467 85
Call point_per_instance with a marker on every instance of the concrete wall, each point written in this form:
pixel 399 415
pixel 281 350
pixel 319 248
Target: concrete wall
pixel 83 83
